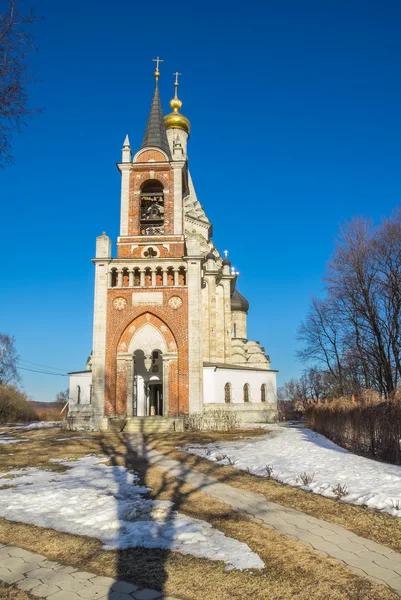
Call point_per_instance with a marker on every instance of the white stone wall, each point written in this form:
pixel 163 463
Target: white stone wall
pixel 215 379
pixel 82 379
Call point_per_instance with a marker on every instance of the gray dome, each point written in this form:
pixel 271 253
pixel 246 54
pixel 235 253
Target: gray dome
pixel 210 255
pixel 227 262
pixel 238 302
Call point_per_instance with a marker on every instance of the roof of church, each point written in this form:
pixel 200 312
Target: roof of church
pixel 239 302
pixel 155 132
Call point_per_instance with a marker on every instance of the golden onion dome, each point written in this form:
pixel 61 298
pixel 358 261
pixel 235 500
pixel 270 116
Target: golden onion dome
pixel 175 119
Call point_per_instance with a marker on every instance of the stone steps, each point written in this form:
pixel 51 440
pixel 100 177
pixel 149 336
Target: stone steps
pixel 152 424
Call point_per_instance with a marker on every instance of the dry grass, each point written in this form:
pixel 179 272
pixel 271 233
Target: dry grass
pixel 292 570
pixel 378 527
pixel 50 414
pixel 11 593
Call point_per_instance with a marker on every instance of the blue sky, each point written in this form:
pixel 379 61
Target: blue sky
pixel 296 127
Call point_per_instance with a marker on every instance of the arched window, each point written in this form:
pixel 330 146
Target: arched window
pixel 78 394
pixel 114 278
pixel 246 392
pixel 227 393
pixel 125 278
pixel 170 276
pixel 182 276
pixel 152 208
pixel 263 392
pixel 148 277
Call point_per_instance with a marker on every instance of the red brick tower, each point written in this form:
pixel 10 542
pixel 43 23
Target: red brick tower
pixel 147 319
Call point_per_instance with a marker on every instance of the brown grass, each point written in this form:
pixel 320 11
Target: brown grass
pixel 378 527
pixel 49 414
pixel 7 592
pixel 292 570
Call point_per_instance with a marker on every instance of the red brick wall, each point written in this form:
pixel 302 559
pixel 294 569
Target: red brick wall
pixel 120 331
pixel 124 250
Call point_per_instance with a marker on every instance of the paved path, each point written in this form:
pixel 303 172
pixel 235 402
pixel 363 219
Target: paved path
pixel 364 557
pixel 45 578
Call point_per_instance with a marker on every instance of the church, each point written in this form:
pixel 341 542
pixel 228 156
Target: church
pixel 170 326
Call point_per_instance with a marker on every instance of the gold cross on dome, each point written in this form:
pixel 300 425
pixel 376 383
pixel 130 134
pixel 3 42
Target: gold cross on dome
pixel 157 61
pixel 176 77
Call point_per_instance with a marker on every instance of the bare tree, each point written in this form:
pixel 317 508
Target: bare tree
pixel 354 333
pixel 63 396
pixel 8 360
pixel 16 42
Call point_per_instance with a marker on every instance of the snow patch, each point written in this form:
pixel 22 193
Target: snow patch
pixel 74 437
pixel 106 502
pixel 293 452
pixel 37 425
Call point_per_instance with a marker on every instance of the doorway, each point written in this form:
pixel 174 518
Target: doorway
pixel 155 399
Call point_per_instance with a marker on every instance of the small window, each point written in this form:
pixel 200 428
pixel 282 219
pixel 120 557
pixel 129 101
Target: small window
pixel 235 330
pixel 227 393
pixel 78 394
pixel 263 392
pixel 246 392
pixel 90 394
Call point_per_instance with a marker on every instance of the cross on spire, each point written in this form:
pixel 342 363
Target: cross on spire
pixel 176 77
pixel 157 61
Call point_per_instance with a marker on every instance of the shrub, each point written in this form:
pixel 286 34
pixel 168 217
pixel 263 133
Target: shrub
pixel 15 406
pixel 305 478
pixel 214 420
pixel 340 490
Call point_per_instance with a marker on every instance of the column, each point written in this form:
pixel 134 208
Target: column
pixel 175 277
pixel 225 282
pixel 124 170
pixel 131 278
pixel 211 280
pixel 99 340
pixel 164 277
pixel 120 278
pixel 153 275
pixel 142 278
pixel 130 385
pixel 166 361
pixel 178 200
pixel 110 278
pixel 195 355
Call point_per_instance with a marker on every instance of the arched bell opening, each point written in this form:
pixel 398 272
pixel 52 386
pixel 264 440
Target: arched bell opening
pixel 152 208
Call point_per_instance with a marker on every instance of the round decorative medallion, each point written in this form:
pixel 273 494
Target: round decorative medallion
pixel 120 303
pixel 175 302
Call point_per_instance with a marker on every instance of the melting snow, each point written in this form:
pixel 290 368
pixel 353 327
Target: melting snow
pixel 37 425
pixel 294 451
pixel 105 502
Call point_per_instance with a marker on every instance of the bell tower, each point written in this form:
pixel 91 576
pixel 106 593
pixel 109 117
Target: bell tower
pixel 147 358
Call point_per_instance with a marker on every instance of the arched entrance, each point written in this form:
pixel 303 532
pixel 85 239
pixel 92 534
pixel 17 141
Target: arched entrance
pixel 146 360
pixel 147 397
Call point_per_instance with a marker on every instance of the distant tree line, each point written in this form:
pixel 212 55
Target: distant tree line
pixel 352 335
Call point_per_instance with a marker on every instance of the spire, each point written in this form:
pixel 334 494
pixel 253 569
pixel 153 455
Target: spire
pixel 176 120
pixel 155 132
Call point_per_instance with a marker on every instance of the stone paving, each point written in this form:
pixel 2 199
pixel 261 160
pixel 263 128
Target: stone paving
pixel 44 578
pixel 364 557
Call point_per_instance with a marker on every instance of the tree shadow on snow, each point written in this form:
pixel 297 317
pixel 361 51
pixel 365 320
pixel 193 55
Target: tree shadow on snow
pixel 143 566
